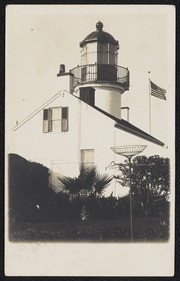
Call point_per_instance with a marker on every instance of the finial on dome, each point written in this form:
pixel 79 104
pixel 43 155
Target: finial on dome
pixel 99 26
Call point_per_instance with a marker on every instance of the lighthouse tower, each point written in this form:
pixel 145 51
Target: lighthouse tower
pixel 99 81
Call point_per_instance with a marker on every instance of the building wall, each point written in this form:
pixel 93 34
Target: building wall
pixel 53 150
pixel 98 132
pixel 88 129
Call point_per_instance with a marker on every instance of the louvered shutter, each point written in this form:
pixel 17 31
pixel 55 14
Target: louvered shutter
pixel 45 121
pixel 64 119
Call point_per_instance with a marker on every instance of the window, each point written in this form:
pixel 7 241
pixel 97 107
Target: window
pixel 87 157
pixel 107 54
pixel 55 119
pixel 84 55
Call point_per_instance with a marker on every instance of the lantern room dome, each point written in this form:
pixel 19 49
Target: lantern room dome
pixel 99 36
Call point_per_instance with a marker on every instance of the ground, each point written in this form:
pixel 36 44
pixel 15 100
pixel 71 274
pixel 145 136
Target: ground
pixel 144 230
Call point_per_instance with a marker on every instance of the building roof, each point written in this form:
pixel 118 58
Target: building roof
pixel 60 93
pixel 130 128
pixel 99 36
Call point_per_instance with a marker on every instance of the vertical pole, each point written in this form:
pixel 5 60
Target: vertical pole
pixel 114 161
pixel 128 114
pixel 130 199
pixel 149 106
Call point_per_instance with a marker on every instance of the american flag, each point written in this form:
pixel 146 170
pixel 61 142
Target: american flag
pixel 157 91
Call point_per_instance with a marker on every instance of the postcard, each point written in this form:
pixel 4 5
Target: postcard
pixel 90 140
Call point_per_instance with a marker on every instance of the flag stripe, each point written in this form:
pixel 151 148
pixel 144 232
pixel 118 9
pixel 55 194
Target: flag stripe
pixel 160 97
pixel 161 91
pixel 157 92
pixel 153 91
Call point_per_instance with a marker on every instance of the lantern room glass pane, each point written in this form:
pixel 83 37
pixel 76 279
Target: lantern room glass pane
pixel 112 59
pixel 92 58
pixel 102 47
pixel 112 49
pixel 83 50
pixel 84 60
pixel 102 58
pixel 92 47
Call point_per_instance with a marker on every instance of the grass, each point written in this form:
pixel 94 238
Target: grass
pixel 145 230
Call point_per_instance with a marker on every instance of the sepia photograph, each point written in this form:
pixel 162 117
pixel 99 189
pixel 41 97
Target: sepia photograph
pixel 90 140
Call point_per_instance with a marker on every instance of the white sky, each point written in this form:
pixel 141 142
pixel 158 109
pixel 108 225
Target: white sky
pixel 41 37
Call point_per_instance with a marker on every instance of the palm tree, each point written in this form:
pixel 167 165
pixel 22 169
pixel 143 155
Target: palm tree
pixel 88 185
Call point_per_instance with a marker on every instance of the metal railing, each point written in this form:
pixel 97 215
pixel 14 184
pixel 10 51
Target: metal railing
pixel 101 73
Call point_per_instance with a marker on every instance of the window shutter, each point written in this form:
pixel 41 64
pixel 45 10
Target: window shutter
pixel 45 121
pixel 45 114
pixel 64 120
pixel 64 112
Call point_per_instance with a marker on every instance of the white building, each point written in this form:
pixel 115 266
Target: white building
pixel 81 123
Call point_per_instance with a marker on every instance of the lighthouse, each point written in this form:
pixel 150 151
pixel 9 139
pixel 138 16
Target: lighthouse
pixel 99 81
pixel 79 124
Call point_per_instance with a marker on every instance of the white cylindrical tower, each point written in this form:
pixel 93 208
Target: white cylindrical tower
pixel 99 80
pixel 109 100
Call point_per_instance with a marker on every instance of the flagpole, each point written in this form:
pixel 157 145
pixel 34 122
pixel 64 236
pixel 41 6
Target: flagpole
pixel 149 103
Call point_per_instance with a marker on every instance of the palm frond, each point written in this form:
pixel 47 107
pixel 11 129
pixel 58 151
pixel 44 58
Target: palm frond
pixel 102 182
pixel 88 183
pixel 66 182
pixel 72 185
pixel 87 176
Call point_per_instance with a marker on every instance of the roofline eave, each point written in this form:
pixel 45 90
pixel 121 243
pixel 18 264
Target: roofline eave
pixel 146 137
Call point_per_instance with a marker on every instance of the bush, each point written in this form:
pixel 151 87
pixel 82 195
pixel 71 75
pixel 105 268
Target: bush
pixel 30 197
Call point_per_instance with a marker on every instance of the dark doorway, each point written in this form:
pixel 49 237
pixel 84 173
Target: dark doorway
pixel 87 95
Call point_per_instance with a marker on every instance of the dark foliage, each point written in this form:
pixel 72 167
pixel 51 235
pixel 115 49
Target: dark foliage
pixel 88 184
pixel 85 190
pixel 33 203
pixel 108 208
pixel 30 197
pixel 150 184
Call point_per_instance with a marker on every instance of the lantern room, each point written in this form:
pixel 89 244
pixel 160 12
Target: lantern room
pixel 99 61
pixel 99 47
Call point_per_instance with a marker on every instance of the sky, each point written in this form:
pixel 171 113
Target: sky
pixel 41 37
